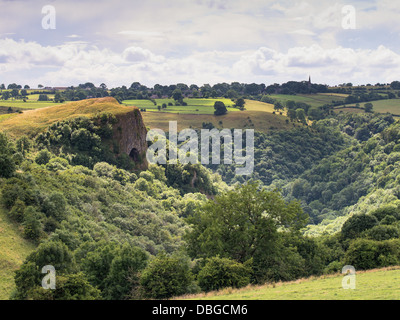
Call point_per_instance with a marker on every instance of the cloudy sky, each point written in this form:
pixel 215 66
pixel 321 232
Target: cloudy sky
pixel 198 41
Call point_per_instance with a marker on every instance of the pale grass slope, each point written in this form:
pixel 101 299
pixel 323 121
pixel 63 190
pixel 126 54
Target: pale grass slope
pixel 13 251
pixel 377 284
pixel 32 122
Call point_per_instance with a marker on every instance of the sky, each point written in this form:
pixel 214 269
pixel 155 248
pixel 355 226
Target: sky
pixel 64 43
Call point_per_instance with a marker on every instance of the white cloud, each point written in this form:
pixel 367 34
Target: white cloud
pixel 75 63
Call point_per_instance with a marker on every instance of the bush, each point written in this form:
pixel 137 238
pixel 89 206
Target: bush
pixel 385 211
pixel 124 272
pixel 32 225
pixel 334 267
pixel 356 224
pixel 68 287
pixel 166 276
pixel 43 97
pixel 382 232
pixel 7 166
pixel 220 108
pixel 103 169
pixel 17 211
pixel 220 273
pixel 17 189
pixel 55 206
pixel 54 253
pixel 367 254
pixel 84 140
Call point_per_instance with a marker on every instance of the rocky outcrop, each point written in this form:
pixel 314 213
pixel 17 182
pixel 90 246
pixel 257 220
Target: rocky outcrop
pixel 130 135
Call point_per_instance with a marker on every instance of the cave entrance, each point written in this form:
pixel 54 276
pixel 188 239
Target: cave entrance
pixel 134 154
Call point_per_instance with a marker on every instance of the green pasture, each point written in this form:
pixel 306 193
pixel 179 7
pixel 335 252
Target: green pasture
pixel 315 100
pixel 195 106
pixel 382 284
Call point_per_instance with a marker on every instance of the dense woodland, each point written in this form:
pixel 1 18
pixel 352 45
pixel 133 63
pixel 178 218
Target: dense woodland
pixel 321 197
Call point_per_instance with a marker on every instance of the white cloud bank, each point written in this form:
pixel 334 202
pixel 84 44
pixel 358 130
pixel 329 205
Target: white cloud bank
pixel 77 62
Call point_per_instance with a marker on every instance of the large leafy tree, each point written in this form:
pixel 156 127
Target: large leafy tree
pixel 243 223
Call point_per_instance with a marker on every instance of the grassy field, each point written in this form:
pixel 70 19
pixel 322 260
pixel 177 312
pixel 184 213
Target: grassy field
pixel 14 250
pixel 258 116
pixel 381 106
pixel 381 284
pixel 387 105
pixel 315 100
pixel 349 110
pixel 29 105
pixel 194 106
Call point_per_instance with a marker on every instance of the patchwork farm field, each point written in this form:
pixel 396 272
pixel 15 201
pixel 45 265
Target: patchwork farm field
pixel 378 284
pixel 315 100
pixel 258 116
pixel 387 105
pixel 194 106
pixel 380 106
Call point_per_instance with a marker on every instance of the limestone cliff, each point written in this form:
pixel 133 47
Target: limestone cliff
pixel 130 135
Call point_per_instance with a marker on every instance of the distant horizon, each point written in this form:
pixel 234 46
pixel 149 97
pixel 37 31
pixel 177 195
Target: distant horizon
pixel 344 84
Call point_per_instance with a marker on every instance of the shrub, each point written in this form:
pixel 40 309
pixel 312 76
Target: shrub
pixel 17 211
pixel 32 225
pixel 382 232
pixel 220 108
pixel 124 272
pixel 385 211
pixel 220 273
pixel 166 276
pixel 55 206
pixel 43 97
pixel 356 224
pixel 7 166
pixel 368 254
pixel 69 287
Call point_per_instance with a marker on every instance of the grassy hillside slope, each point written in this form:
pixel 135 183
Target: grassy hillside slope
pixel 33 121
pixel 13 251
pixel 378 284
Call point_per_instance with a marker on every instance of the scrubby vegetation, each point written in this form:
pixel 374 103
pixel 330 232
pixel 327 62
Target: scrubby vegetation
pixel 321 196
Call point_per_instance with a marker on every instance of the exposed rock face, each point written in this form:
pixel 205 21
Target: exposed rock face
pixel 130 134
